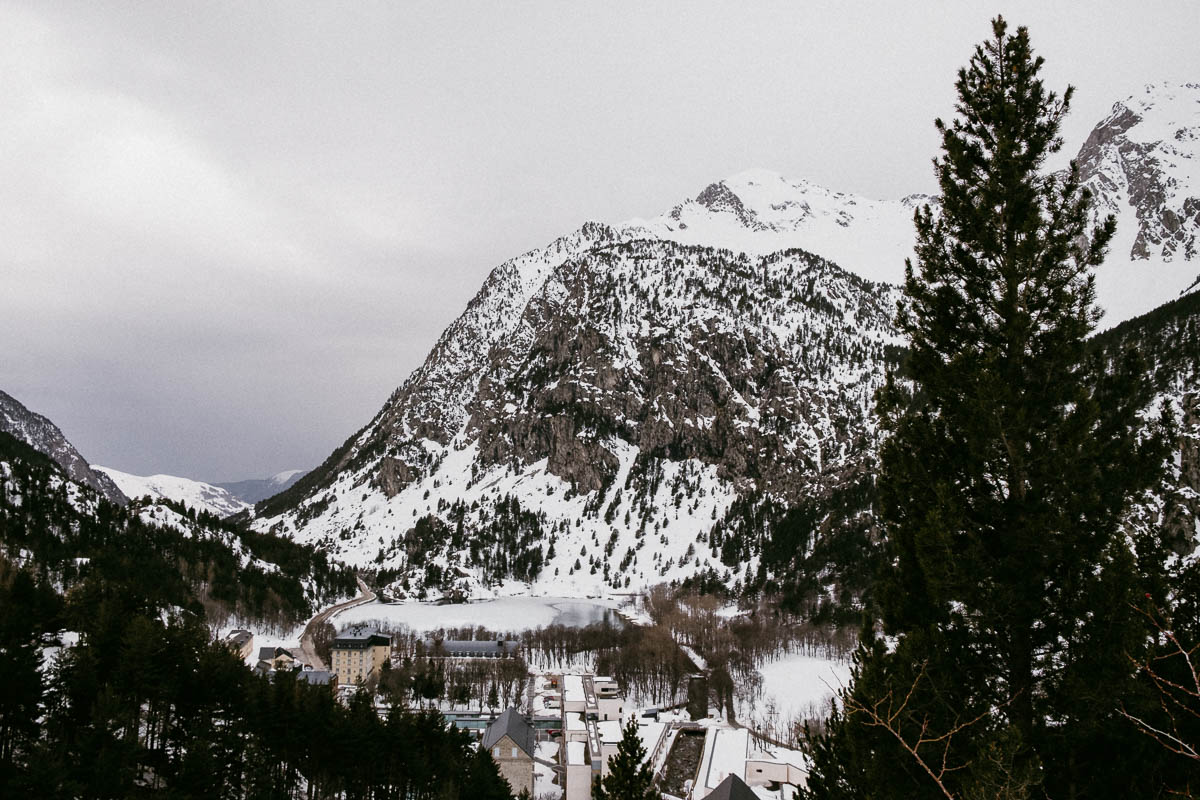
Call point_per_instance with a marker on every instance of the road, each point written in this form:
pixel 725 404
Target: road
pixel 306 638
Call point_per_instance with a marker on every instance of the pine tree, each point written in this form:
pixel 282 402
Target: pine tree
pixel 628 778
pixel 484 781
pixel 493 698
pixel 1009 462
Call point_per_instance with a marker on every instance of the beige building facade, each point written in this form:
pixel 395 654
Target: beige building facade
pixel 358 654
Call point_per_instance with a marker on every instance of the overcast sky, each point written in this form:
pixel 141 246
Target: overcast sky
pixel 227 232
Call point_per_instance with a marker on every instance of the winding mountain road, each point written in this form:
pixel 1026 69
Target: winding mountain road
pixel 307 647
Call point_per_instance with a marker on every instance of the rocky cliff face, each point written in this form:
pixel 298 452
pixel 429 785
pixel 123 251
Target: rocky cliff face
pixel 641 386
pixel 760 367
pixel 1142 163
pixel 44 436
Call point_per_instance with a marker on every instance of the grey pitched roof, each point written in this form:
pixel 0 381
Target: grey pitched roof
pixel 360 637
pixel 460 648
pixel 271 653
pixel 732 788
pixel 514 726
pixel 319 677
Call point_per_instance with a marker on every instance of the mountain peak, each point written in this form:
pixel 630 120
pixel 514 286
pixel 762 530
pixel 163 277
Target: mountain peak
pixel 759 211
pixel 281 478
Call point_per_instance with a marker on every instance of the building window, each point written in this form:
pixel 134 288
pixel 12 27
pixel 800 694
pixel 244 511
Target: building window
pixel 514 755
pixel 496 751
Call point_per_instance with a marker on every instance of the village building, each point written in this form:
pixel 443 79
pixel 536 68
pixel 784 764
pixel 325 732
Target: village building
pixel 273 658
pixel 763 771
pixel 609 703
pixel 591 711
pixel 734 753
pixel 577 771
pixel 241 642
pixel 464 649
pixel 358 653
pixel 607 738
pixel 574 728
pixel 512 743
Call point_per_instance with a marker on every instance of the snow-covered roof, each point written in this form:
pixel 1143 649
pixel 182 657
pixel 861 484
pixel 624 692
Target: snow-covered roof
pixel 318 677
pixel 360 636
pixel 473 648
pixel 609 730
pixel 573 688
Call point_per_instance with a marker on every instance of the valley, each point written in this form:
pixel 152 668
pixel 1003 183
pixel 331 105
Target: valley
pixel 719 484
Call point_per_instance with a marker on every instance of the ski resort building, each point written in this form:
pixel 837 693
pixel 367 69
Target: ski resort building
pixel 577 771
pixel 358 654
pixel 733 759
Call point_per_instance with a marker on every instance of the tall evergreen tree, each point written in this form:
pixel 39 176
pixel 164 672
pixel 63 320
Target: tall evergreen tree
pixel 628 778
pixel 1009 463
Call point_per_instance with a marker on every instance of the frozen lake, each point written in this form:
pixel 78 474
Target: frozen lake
pixel 502 614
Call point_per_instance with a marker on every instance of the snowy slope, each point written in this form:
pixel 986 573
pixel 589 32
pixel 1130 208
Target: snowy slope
pixel 1142 163
pixel 194 494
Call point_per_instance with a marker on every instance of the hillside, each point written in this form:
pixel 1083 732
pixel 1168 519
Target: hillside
pixel 68 532
pixel 1142 163
pixel 643 388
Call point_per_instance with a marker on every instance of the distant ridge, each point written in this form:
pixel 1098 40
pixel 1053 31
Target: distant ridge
pixel 193 494
pixel 256 490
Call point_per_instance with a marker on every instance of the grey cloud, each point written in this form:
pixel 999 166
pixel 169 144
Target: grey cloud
pixel 228 231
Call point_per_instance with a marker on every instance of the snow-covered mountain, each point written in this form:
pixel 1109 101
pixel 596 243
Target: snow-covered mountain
pixel 664 381
pixel 256 489
pixel 598 396
pixel 193 494
pixel 1142 163
pixel 44 436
